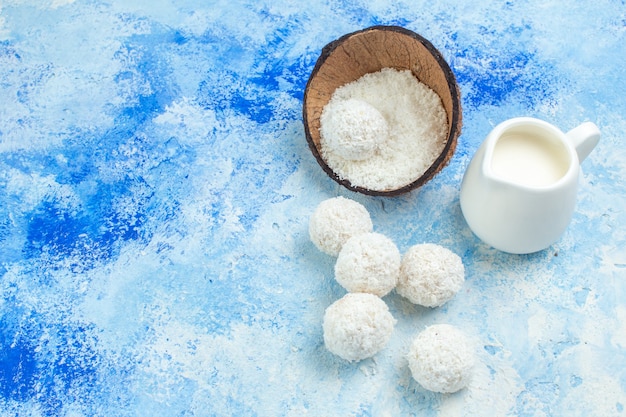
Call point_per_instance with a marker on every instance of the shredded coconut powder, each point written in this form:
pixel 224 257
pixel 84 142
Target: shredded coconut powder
pixel 417 129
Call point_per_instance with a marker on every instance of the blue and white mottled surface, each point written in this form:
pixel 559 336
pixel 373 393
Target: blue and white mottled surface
pixel 155 190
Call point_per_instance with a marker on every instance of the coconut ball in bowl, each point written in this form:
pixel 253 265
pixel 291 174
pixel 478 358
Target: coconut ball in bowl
pixel 370 263
pixel 352 128
pixel 357 326
pixel 336 220
pixel 410 83
pixel 441 359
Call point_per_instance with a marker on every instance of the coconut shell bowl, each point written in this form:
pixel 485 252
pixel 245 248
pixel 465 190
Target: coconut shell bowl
pixel 367 51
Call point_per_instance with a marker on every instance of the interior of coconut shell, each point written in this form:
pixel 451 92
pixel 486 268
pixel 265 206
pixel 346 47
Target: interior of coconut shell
pixel 356 54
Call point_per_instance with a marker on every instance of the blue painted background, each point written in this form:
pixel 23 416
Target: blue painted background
pixel 155 190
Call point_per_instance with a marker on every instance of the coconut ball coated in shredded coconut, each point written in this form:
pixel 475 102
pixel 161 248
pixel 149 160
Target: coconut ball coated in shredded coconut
pixel 336 220
pixel 441 359
pixel 352 128
pixel 357 326
pixel 430 275
pixel 370 263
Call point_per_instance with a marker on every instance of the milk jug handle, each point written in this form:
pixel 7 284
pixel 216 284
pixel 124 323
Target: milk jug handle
pixel 584 138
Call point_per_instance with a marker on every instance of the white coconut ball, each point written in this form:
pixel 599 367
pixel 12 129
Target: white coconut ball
pixel 368 262
pixel 336 220
pixel 441 359
pixel 357 326
pixel 352 129
pixel 430 275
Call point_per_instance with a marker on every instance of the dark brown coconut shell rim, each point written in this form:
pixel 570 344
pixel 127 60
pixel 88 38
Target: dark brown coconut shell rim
pixel 454 127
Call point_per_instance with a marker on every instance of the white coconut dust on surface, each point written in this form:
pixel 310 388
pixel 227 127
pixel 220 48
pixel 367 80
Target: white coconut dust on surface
pixel 156 188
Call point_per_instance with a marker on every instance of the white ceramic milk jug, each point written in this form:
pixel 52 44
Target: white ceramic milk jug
pixel 519 191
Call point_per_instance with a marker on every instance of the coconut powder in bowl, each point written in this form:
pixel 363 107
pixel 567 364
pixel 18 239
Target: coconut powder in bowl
pixel 394 74
pixel 415 136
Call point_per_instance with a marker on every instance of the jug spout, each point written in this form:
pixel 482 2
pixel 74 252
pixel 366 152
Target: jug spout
pixel 584 138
